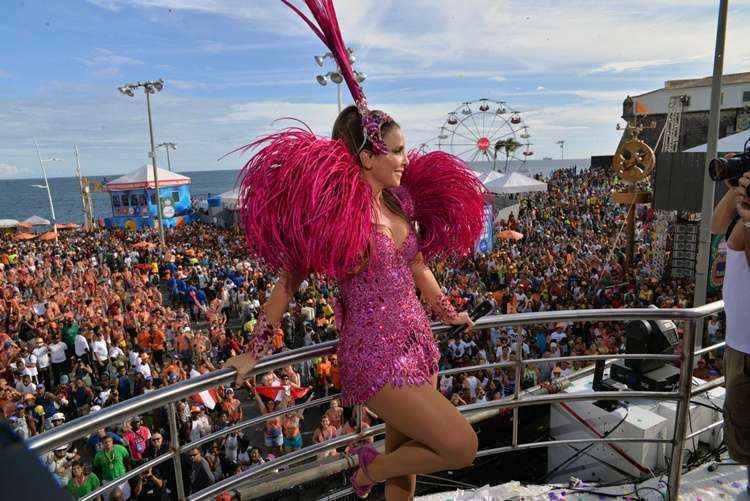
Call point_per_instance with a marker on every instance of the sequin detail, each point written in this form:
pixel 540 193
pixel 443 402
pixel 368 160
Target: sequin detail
pixel 385 335
pixel 441 307
pixel 261 338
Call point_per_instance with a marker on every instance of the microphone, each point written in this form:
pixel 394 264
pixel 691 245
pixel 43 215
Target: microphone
pixel 476 313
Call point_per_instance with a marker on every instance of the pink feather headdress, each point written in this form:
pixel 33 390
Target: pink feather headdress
pixel 327 29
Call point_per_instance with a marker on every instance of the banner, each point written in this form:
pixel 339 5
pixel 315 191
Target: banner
pixel 484 244
pixel 717 261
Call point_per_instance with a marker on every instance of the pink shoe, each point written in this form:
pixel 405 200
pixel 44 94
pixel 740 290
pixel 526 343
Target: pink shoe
pixel 365 454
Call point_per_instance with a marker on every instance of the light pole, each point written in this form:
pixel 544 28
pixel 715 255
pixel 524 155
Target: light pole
pixel 561 142
pixel 46 184
pixel 335 75
pixel 168 146
pixel 150 87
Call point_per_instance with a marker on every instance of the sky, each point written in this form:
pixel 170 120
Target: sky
pixel 232 67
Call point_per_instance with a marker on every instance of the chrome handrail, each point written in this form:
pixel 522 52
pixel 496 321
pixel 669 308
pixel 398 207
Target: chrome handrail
pixel 117 413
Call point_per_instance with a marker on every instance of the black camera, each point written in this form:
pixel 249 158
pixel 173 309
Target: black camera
pixel 731 169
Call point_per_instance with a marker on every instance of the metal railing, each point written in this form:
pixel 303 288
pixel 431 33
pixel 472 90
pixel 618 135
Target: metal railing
pixel 167 396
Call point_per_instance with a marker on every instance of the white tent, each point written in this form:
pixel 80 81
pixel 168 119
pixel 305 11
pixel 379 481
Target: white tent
pixel 36 221
pixel 229 198
pixel 514 182
pixel 143 177
pixel 734 143
pixel 487 177
pixel 8 223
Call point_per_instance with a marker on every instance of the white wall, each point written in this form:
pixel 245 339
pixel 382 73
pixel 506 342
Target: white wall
pixel 700 98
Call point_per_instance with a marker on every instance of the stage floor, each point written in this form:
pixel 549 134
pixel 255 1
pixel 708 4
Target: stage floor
pixel 700 484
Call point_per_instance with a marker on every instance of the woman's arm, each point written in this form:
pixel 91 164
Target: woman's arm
pixel 724 212
pixel 270 317
pixel 433 296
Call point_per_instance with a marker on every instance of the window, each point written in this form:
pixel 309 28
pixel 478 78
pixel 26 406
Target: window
pixel 153 197
pixel 746 96
pixel 134 200
pixel 125 200
pixel 115 200
pixel 175 196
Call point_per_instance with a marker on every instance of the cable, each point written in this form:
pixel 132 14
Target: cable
pixel 645 487
pixel 583 451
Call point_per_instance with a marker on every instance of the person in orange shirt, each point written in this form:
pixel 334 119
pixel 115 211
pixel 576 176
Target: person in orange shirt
pixel 335 373
pixel 324 374
pixel 278 340
pixel 183 342
pixel 144 340
pixel 158 344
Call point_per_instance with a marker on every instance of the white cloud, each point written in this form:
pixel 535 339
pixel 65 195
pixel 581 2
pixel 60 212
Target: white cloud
pixel 106 63
pixel 8 170
pixel 540 88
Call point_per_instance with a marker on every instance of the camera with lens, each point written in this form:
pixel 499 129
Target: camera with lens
pixel 731 169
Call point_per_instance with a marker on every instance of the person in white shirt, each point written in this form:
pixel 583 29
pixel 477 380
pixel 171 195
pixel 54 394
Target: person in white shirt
pixel 42 353
pixel 29 362
pixel 100 350
pixel 82 348
pixel 446 386
pixel 115 352
pixel 59 359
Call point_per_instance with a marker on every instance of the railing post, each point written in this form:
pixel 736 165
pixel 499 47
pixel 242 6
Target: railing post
pixel 517 390
pixel 174 442
pixel 683 409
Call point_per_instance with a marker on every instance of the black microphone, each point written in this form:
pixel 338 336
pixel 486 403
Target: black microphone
pixel 476 313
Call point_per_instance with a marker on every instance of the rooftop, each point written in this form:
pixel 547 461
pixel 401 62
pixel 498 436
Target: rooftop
pixel 735 78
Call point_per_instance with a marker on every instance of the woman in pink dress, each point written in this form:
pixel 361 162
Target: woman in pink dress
pixel 359 208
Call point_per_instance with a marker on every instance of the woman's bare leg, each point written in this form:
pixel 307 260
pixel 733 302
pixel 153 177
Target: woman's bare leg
pixel 400 488
pixel 442 439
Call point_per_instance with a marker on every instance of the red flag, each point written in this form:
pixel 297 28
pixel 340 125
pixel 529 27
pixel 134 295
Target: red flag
pixel 272 392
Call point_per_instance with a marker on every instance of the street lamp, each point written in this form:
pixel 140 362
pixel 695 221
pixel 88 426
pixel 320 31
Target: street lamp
pixel 46 184
pixel 168 146
pixel 561 143
pixel 150 87
pixel 335 76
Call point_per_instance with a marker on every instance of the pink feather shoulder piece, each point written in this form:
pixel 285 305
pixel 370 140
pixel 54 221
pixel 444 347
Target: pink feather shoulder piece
pixel 304 205
pixel 447 202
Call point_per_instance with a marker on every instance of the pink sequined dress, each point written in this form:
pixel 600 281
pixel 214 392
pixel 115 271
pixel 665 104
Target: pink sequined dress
pixel 385 335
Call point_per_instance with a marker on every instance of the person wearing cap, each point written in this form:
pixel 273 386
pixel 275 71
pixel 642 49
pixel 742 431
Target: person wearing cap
pixel 19 422
pixel 57 419
pixel 137 436
pixel 42 353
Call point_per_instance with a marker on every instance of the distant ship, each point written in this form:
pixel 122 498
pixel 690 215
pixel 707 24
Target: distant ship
pixel 547 158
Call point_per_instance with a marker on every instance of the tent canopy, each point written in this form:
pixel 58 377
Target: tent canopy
pixel 734 143
pixel 514 183
pixel 230 198
pixel 36 221
pixel 143 177
pixel 8 223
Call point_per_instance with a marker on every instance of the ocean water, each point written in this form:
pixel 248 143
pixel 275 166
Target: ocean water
pixel 21 198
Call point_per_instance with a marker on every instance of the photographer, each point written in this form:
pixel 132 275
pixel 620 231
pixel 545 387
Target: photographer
pixel 736 292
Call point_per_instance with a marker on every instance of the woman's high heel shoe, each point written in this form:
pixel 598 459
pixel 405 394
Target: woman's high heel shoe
pixel 365 454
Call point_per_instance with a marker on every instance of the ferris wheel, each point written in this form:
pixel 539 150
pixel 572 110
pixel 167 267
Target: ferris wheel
pixel 486 130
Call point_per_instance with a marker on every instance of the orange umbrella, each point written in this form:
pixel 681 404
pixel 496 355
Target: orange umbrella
pixel 510 235
pixel 67 226
pixel 50 235
pixel 24 236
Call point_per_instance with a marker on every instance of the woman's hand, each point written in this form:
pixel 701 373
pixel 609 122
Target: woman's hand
pixel 461 319
pixel 244 364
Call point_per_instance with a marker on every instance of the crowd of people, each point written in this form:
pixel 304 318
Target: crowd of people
pixel 96 318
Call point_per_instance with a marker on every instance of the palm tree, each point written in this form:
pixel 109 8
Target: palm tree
pixel 509 145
